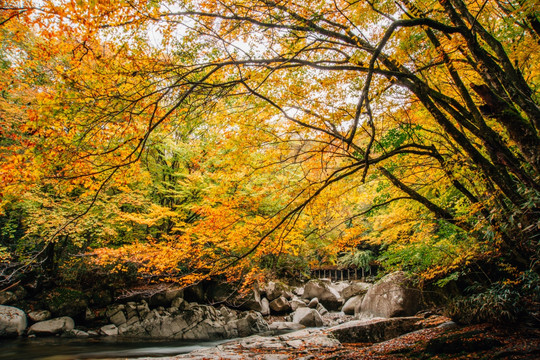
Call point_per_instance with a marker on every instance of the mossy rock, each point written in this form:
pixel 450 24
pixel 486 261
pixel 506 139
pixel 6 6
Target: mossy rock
pixel 66 302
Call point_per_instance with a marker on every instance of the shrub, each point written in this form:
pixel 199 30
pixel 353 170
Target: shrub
pixel 500 303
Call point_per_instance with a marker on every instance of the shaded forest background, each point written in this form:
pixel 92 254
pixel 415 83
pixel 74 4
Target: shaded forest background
pixel 151 142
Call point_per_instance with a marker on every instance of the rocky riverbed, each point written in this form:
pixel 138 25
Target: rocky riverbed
pixel 199 313
pixel 323 319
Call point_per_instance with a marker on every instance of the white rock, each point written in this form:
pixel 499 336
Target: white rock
pixel 109 330
pixel 39 315
pixel 265 307
pixel 352 304
pixel 12 321
pixel 307 317
pixel 53 326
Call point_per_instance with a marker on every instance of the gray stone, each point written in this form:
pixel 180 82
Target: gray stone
pixel 165 298
pixel 179 303
pixel 311 338
pixel 352 304
pixel 374 330
pixel 12 321
pixel 196 322
pixel 297 303
pixel 118 318
pixel 322 290
pixel 113 309
pixel 313 303
pixel 307 317
pixel 52 327
pixel 131 312
pixel 275 290
pixel 266 348
pixel 265 307
pixel 109 330
pixel 143 309
pixel 39 315
pixel 280 305
pixel 321 309
pixel 249 301
pixel 354 289
pixel 228 314
pixel 339 286
pixel 392 296
pixel 298 291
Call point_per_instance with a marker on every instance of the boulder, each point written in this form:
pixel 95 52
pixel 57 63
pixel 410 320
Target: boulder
pixel 265 307
pixel 115 314
pixel 280 305
pixel 109 330
pixel 374 330
pixel 249 301
pixel 322 290
pixel 165 298
pixel 392 296
pixel 228 314
pixel 297 303
pixel 321 309
pixel 250 324
pixel 339 286
pixel 350 306
pixel 179 303
pixel 307 317
pixel 270 348
pixel 275 290
pixel 354 289
pixel 195 322
pixel 298 291
pixel 313 303
pixel 39 315
pixel 12 321
pixel 52 327
pixel 7 297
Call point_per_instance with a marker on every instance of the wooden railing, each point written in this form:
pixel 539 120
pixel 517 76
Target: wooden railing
pixel 336 273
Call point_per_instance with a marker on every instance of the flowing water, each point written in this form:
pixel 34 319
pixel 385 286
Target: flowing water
pixel 94 348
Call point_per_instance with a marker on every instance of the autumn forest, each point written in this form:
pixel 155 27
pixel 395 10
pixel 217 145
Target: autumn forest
pixel 150 142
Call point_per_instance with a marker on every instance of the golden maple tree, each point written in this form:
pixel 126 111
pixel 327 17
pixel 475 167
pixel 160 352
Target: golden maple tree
pixel 315 127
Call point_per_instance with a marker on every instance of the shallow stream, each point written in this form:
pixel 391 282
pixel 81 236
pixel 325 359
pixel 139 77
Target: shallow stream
pixel 95 348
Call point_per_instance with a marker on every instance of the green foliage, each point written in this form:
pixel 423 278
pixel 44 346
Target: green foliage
pixel 359 258
pixel 285 266
pixel 66 301
pixel 502 302
pixel 397 136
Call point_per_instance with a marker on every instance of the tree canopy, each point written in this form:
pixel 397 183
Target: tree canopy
pixel 188 139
